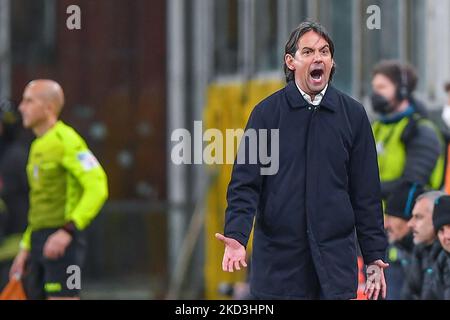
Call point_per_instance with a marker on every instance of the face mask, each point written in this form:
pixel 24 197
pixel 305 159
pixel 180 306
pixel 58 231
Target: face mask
pixel 380 104
pixel 446 115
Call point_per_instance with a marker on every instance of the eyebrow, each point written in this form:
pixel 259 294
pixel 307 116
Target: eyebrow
pixel 325 46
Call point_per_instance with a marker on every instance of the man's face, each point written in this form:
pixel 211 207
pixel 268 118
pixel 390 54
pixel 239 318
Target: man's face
pixel 396 228
pixel 32 108
pixel 444 237
pixel 421 222
pixel 312 63
pixel 383 86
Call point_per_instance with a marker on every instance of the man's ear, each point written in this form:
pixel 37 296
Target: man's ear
pixel 289 60
pixel 49 109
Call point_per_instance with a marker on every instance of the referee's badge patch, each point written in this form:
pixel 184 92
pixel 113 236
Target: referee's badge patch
pixel 36 171
pixel 87 160
pixel 380 148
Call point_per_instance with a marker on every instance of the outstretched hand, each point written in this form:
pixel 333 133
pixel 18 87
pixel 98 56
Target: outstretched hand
pixel 376 281
pixel 234 255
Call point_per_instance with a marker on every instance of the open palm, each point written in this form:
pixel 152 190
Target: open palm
pixel 234 255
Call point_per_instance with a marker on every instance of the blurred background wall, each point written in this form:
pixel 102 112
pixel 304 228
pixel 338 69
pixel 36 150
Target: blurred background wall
pixel 113 74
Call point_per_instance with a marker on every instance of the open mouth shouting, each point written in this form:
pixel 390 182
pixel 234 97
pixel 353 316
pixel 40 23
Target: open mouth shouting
pixel 317 75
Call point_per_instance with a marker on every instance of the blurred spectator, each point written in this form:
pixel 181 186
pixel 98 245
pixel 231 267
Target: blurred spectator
pixel 398 212
pixel 444 124
pixel 419 277
pixel 444 121
pixel 441 222
pixel 409 147
pixel 13 187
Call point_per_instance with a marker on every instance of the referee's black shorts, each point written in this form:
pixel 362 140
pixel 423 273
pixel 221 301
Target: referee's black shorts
pixel 45 278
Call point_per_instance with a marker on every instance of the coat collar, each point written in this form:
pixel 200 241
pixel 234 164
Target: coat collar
pixel 329 101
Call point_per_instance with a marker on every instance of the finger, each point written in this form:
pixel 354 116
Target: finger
pixel 381 264
pixel 368 285
pixel 225 263
pixel 370 290
pixel 50 254
pixel 16 271
pixel 244 264
pixel 376 293
pixel 231 242
pixel 62 250
pixel 12 272
pixel 59 253
pixel 369 294
pixel 220 237
pixel 366 288
pixel 377 289
pixel 236 265
pixel 47 249
pixel 230 266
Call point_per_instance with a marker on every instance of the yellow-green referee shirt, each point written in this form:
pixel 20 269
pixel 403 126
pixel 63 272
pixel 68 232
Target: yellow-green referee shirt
pixel 66 182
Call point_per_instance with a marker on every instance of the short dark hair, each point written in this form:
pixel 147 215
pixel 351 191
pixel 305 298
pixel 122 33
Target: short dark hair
pixel 292 44
pixel 395 71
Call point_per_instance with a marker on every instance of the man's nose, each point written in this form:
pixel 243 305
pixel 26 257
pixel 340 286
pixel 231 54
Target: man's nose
pixel 317 57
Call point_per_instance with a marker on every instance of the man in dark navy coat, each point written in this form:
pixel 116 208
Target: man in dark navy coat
pixel 325 196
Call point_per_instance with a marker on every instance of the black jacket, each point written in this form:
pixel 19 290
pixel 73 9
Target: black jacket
pixel 326 191
pixel 399 259
pixel 419 278
pixel 441 278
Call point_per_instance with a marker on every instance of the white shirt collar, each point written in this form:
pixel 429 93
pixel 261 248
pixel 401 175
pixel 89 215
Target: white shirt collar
pixel 317 98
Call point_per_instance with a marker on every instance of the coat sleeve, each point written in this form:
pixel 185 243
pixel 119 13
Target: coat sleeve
pixel 365 193
pixel 243 190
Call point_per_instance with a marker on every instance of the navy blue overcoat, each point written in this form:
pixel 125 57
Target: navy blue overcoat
pixel 324 198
